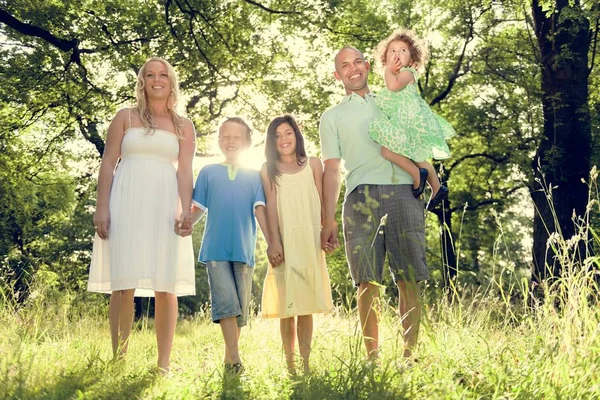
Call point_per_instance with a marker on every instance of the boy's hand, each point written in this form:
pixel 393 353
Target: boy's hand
pixel 275 254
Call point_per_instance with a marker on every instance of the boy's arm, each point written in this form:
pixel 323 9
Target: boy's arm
pixel 261 216
pixel 396 82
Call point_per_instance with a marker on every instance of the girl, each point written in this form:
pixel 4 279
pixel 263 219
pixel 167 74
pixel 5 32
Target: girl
pixel 408 131
pixel 297 283
pixel 136 249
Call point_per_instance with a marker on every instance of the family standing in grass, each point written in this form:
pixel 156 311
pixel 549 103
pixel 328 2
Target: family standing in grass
pixel 146 207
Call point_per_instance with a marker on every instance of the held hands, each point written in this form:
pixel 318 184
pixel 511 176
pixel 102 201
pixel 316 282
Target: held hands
pixel 102 222
pixel 183 225
pixel 275 253
pixel 329 239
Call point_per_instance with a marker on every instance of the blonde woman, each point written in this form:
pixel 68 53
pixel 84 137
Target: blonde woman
pixel 144 196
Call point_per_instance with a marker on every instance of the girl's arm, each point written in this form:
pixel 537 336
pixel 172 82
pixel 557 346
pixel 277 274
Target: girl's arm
pixel 399 81
pixel 317 170
pixel 275 247
pixel 112 152
pixel 187 149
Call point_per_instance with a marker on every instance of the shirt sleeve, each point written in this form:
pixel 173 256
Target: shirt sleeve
pixel 330 141
pixel 200 196
pixel 259 193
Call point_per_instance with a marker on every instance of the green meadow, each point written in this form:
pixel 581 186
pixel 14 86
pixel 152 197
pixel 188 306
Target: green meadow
pixel 486 345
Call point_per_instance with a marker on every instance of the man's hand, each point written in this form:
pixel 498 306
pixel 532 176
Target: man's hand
pixel 329 236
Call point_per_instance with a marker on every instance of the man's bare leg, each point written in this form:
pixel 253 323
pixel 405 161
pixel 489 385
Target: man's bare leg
pixel 409 307
pixel 368 296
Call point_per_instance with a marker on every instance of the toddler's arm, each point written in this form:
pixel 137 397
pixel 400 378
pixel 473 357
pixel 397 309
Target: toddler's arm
pixel 397 81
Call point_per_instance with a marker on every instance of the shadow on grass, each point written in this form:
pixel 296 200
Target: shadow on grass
pixel 354 380
pixel 92 379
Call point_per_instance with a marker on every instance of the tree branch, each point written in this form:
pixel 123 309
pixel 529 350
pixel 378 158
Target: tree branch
pixel 31 30
pixel 270 10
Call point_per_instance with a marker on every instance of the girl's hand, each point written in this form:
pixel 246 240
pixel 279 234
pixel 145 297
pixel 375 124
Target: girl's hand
pixel 329 248
pixel 275 254
pixel 102 222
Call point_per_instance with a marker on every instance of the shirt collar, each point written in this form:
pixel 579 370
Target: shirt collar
pixel 352 95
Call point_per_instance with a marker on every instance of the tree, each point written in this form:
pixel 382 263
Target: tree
pixel 562 160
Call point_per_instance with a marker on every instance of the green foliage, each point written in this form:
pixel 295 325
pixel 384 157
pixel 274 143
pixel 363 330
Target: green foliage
pixel 64 82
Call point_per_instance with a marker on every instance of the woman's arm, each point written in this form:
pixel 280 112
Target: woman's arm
pixel 187 150
pixel 112 153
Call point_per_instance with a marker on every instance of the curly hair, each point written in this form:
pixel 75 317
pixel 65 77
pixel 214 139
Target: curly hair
pixel 419 51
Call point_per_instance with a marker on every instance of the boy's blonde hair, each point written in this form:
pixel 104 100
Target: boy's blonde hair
pixel 239 121
pixel 419 51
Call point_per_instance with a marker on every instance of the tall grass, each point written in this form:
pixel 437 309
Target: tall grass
pixel 499 342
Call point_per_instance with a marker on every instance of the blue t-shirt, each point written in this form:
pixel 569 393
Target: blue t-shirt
pixel 229 195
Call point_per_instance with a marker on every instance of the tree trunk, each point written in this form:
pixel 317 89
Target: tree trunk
pixel 562 159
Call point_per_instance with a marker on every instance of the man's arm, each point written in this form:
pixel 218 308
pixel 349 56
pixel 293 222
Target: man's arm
pixel 332 183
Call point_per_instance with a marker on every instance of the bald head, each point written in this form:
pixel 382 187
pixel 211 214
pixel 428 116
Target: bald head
pixel 347 51
pixel 352 70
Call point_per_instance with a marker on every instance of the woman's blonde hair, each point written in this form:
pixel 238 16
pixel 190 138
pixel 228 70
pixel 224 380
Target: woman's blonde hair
pixel 419 51
pixel 142 102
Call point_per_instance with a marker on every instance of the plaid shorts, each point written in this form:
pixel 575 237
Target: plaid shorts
pixel 380 220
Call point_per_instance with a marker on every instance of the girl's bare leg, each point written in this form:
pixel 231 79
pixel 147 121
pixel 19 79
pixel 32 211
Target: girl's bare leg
pixel 432 177
pixel 287 327
pixel 305 332
pixel 403 162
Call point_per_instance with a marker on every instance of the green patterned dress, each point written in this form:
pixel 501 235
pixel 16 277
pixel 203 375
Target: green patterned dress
pixel 408 127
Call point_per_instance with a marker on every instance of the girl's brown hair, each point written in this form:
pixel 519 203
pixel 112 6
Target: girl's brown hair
pixel 419 51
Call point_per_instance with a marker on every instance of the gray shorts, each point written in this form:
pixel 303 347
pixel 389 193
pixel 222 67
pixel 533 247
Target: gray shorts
pixel 230 290
pixel 401 237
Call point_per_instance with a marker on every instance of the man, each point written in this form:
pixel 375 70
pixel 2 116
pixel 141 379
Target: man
pixel 380 214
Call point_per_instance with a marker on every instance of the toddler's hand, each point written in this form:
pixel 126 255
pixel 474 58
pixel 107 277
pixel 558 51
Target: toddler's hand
pixel 396 65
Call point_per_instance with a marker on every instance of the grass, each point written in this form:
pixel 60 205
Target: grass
pixel 490 342
pixel 480 348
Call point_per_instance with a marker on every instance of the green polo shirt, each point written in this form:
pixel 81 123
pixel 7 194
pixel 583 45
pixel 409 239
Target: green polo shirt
pixel 344 133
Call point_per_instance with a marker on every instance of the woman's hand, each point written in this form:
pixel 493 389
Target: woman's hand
pixel 102 222
pixel 185 220
pixel 275 253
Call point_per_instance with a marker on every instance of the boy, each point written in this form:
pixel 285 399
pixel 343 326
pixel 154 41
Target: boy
pixel 233 197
